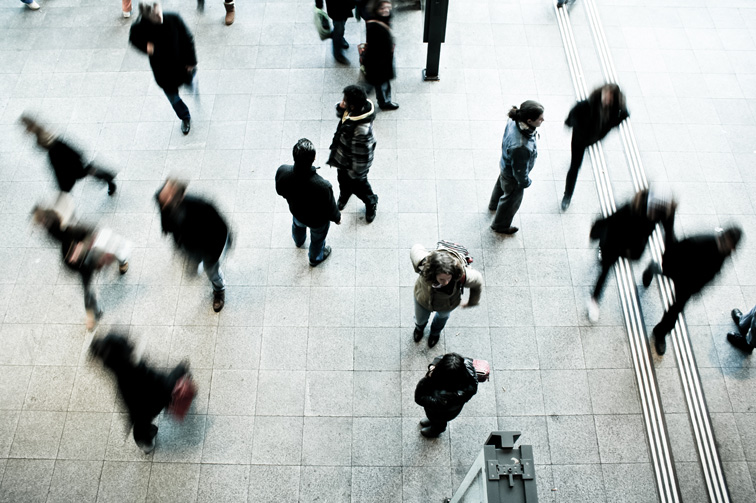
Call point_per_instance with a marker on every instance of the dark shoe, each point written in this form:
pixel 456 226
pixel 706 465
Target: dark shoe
pixel 230 13
pixel 492 209
pixel 326 254
pixel 219 300
pixel 425 422
pixel 342 203
pixel 344 44
pixel 111 188
pixel 341 59
pixel 186 125
pixel 508 230
pixel 648 274
pixel 736 315
pixel 123 268
pixel 429 433
pixel 389 105
pixel 561 3
pixel 370 210
pixel 566 203
pixel 433 339
pixel 417 335
pixel 660 342
pixel 201 5
pixel 739 342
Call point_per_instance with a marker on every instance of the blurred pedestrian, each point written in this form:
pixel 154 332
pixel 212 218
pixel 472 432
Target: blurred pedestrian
pixel 590 121
pixel 744 339
pixel 625 233
pixel 168 42
pixel 339 11
pixel 379 54
pixel 126 8
pixel 518 156
pixel 311 201
pixel 67 163
pixel 443 276
pixel 444 391
pixel 198 230
pixel 145 391
pixel 230 10
pixel 85 250
pixel 352 149
pixel 691 263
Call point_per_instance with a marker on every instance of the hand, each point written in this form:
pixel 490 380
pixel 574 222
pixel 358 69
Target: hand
pixel 150 48
pixel 189 68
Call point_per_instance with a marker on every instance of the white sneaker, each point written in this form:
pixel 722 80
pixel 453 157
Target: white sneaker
pixel 33 5
pixel 593 310
pixel 127 14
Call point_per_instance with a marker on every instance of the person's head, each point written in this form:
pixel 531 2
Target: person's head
pixel 172 193
pixel 451 372
pixel 610 95
pixel 383 8
pixel 354 98
pixel 151 11
pixel 441 268
pixel 45 138
pixel 304 153
pixel 46 217
pixel 728 239
pixel 530 112
pixel 657 203
pixel 114 350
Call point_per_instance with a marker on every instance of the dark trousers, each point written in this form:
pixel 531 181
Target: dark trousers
pixel 748 325
pixel 669 319
pixel 144 430
pixel 182 111
pixel 439 420
pixel 337 36
pixel 578 151
pixel 383 92
pixel 100 174
pixel 606 264
pixel 360 187
pixel 506 199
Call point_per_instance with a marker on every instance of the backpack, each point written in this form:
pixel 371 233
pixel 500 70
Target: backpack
pixel 457 250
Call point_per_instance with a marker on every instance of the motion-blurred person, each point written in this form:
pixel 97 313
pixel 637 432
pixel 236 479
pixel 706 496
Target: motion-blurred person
pixel 230 10
pixel 85 250
pixel 311 201
pixel 625 234
pixel 126 8
pixel 198 230
pixel 352 149
pixel 518 156
pixel 744 339
pixel 691 263
pixel 590 121
pixel 444 391
pixel 145 391
pixel 442 278
pixel 339 11
pixel 170 45
pixel 379 55
pixel 67 163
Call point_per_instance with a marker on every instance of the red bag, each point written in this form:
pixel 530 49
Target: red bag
pixel 482 370
pixel 182 397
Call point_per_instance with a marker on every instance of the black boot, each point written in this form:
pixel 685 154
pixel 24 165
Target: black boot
pixel 660 342
pixel 343 202
pixel 433 339
pixel 370 210
pixel 425 422
pixel 648 274
pixel 417 335
pixel 740 342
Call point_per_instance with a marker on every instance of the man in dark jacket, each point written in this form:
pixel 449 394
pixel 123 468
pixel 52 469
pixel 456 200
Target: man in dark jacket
pixel 67 163
pixel 379 57
pixel 170 46
pixel 198 230
pixel 339 11
pixel 691 263
pixel 310 199
pixel 352 149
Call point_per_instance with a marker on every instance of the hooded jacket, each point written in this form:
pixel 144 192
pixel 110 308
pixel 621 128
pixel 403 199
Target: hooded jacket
pixel 448 298
pixel 585 119
pixel 446 404
pixel 518 154
pixel 197 228
pixel 353 143
pixel 310 196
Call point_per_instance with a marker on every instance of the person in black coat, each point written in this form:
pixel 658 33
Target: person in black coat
pixel 339 11
pixel 443 392
pixel 311 201
pixel 379 55
pixel 170 46
pixel 144 391
pixel 590 121
pixel 625 233
pixel 67 163
pixel 198 230
pixel 691 263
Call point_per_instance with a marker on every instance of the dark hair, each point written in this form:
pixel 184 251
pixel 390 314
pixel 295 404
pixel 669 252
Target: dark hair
pixel 355 97
pixel 529 110
pixel 304 152
pixel 441 262
pixel 115 350
pixel 618 102
pixel 451 372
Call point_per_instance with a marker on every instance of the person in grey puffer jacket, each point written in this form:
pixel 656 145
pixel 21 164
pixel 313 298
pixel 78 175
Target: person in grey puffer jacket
pixel 352 149
pixel 518 155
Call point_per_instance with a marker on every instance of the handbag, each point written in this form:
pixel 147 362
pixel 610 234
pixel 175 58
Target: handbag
pixel 322 23
pixel 182 397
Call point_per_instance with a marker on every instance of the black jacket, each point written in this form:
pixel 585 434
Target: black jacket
pixel 338 10
pixel 67 164
pixel 174 49
pixel 692 262
pixel 585 120
pixel 446 404
pixel 625 233
pixel 310 196
pixel 197 228
pixel 379 56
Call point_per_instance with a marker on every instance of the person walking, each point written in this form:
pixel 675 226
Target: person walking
pixel 145 391
pixel 442 278
pixel 625 233
pixel 379 55
pixel 352 149
pixel 230 10
pixel 339 11
pixel 198 230
pixel 444 391
pixel 67 163
pixel 311 201
pixel 691 263
pixel 744 339
pixel 518 156
pixel 169 44
pixel 590 121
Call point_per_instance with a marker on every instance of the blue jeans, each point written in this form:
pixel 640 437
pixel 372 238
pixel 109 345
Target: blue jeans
pixel 439 321
pixel 182 111
pixel 747 326
pixel 317 238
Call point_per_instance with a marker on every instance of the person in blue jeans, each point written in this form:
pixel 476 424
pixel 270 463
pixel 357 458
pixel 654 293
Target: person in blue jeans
pixel 744 338
pixel 311 201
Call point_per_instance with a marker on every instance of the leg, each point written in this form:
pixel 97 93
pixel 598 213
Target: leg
pixel 94 311
pixel 669 319
pixel 230 14
pixel 126 8
pixel 317 242
pixel 363 190
pixel 578 151
pixel 105 176
pixel 144 435
pixel 338 40
pixel 421 315
pixel 298 232
pixel 496 194
pixel 215 275
pixel 508 205
pixel 606 266
pixel 439 322
pixel 178 105
pixel 345 187
pixel 747 321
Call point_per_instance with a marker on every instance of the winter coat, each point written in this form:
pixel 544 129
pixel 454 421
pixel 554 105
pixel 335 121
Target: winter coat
pixel 692 262
pixel 446 404
pixel 197 228
pixel 353 143
pixel 338 10
pixel 585 120
pixel 518 154
pixel 174 49
pixel 625 233
pixel 67 164
pixel 310 196
pixel 379 56
pixel 446 298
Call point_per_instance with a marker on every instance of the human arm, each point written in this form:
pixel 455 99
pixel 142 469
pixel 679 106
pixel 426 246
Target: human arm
pixel 186 42
pixel 363 146
pixel 334 211
pixel 474 282
pixel 418 253
pixel 138 37
pixel 520 160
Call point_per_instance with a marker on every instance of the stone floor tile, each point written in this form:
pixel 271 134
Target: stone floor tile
pixel 566 392
pixel 377 441
pixel 279 483
pixel 739 480
pixel 631 483
pixel 237 348
pixel 377 394
pixel 620 438
pixel 331 483
pixel 223 483
pixel 610 392
pixel 233 392
pixel 518 310
pixel 173 482
pixel 195 344
pixel 328 393
pixel 85 436
pixel 692 484
pixel 514 348
pixel 578 483
pixel 559 348
pixel 284 348
pixel 330 348
pixel 26 480
pixel 467 435
pixel 327 441
pixel 75 481
pixel 729 443
pixel 420 451
pixel 280 393
pixel 377 484
pixel 554 306
pixel 50 388
pixel 533 431
pixel 425 483
pixel 228 439
pixel 126 482
pixel 180 441
pixel 38 434
pixel 377 349
pixel 572 437
pixel 519 392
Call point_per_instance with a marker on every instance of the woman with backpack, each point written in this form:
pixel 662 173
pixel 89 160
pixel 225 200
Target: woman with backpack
pixel 443 276
pixel 378 57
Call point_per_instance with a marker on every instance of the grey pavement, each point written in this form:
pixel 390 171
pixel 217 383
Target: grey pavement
pixel 307 376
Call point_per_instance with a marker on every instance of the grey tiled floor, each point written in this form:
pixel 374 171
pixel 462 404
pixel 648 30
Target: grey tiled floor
pixel 307 376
